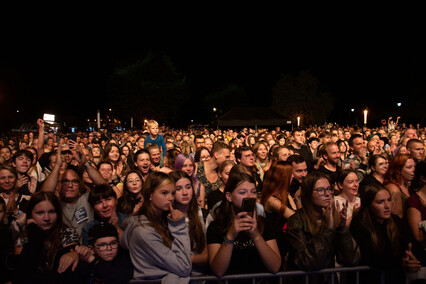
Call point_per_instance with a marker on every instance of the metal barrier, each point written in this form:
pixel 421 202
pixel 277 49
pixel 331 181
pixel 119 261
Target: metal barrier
pixel 280 275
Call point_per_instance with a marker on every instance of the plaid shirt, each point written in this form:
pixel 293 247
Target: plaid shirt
pixel 360 169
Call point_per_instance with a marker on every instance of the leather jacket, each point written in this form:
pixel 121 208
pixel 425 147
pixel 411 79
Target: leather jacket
pixel 308 252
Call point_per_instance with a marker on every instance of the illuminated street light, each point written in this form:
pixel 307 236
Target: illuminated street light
pixel 365 116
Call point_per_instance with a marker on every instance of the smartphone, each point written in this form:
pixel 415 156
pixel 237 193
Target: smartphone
pixel 72 137
pixel 248 205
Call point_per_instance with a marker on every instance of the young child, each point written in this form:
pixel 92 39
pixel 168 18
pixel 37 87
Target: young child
pixel 154 137
pixel 104 258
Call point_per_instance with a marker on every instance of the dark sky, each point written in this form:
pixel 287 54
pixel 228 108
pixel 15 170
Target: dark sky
pixel 68 74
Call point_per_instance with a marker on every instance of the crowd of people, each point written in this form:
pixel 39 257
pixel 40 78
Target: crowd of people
pixel 114 206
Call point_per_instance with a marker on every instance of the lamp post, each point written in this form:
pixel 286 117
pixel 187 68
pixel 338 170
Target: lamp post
pixel 365 116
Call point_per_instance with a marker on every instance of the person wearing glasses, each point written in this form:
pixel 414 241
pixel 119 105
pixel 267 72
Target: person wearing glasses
pixel 318 232
pixel 131 201
pixel 379 165
pixel 76 208
pixel 103 259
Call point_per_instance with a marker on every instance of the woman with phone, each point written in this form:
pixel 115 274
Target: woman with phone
pixel 186 202
pixel 239 239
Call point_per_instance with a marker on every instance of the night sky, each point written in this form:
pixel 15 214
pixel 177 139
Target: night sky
pixel 68 74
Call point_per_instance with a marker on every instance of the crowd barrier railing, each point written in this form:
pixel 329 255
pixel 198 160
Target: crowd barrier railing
pixel 281 275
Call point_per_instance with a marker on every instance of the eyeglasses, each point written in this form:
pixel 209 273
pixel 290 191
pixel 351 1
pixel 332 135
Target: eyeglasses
pixel 67 181
pixel 133 180
pixel 321 190
pixel 104 246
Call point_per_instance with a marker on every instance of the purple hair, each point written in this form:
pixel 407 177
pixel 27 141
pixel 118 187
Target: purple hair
pixel 180 160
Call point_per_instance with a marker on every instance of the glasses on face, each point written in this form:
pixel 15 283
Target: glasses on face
pixel 131 180
pixel 104 246
pixel 67 181
pixel 321 190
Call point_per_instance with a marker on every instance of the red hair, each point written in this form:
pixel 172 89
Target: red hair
pixel 393 175
pixel 277 183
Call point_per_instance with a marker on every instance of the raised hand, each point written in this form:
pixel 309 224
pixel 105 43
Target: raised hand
pixel 253 232
pixel 328 213
pixel 342 215
pixel 32 184
pixel 59 155
pixel 77 152
pixel 175 214
pixel 241 222
pixel 137 207
pixel 119 168
pixel 113 219
pixel 40 123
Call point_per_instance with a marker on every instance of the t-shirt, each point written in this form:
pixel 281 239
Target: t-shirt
pixel 213 198
pixel 159 140
pixel 245 258
pixel 77 215
pixel 331 174
pixel 418 249
pixel 415 202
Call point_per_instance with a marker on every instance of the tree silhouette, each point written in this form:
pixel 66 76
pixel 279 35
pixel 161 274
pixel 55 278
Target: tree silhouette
pixel 226 97
pixel 148 87
pixel 300 95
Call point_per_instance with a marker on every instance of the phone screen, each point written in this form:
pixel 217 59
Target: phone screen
pixel 248 205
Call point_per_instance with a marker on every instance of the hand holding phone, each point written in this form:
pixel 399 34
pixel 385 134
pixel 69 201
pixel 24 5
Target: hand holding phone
pixel 248 205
